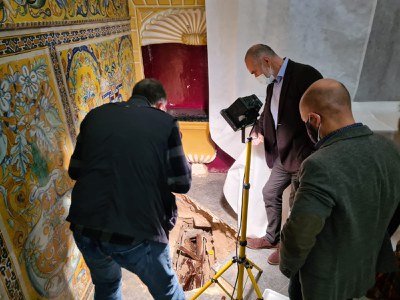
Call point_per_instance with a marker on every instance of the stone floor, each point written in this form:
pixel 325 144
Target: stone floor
pixel 207 192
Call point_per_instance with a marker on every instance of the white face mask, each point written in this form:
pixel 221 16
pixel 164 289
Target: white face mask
pixel 266 79
pixel 262 79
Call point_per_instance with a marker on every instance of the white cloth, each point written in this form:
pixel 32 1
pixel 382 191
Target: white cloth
pixel 228 39
pixel 259 174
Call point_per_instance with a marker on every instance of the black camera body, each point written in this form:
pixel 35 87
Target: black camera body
pixel 243 112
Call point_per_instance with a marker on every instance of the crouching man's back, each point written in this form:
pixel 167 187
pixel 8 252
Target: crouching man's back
pixel 127 161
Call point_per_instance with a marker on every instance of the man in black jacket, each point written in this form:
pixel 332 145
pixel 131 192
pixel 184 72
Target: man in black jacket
pixel 127 160
pixel 282 131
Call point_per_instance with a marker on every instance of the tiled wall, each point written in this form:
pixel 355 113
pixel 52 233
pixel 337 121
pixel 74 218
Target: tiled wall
pixel 58 60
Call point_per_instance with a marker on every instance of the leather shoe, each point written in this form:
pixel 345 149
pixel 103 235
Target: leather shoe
pixel 274 258
pixel 260 243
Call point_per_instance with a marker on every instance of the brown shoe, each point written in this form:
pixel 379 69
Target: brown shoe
pixel 260 243
pixel 274 257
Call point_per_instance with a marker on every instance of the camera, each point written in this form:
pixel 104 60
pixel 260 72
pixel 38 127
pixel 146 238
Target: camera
pixel 243 112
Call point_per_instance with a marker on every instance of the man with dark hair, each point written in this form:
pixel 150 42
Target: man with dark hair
pixel 281 130
pixel 346 204
pixel 127 160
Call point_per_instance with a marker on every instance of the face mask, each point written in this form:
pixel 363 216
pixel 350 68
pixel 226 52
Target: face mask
pixel 312 132
pixel 271 76
pixel 262 79
pixel 265 79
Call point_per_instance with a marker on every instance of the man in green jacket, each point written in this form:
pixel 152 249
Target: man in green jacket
pixel 336 238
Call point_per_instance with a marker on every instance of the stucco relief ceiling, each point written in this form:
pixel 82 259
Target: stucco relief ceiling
pixel 185 26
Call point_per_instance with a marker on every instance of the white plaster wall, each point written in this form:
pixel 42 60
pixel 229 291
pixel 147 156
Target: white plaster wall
pixel 355 42
pixel 331 35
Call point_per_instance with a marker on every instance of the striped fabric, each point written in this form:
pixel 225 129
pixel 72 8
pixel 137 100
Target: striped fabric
pixel 179 170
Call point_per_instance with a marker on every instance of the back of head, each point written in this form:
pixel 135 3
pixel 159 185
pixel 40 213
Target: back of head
pixel 328 98
pixel 151 89
pixel 258 51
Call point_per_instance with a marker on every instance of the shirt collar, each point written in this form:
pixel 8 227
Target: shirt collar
pixel 282 71
pixel 337 131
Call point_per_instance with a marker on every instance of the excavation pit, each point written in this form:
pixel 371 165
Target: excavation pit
pixel 199 243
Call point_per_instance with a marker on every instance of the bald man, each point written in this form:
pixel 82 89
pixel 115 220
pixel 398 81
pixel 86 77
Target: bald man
pixel 336 236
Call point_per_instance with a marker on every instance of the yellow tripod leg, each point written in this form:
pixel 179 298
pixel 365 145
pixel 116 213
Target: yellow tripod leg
pixel 253 281
pixel 242 261
pixel 213 279
pixel 254 265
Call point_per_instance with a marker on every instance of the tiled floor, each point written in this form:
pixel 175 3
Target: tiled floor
pixel 207 192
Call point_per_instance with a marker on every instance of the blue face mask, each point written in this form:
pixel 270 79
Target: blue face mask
pixel 312 132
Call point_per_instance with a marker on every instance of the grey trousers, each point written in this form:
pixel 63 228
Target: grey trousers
pixel 278 181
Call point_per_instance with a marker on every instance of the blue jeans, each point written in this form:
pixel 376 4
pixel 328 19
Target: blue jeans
pixel 150 261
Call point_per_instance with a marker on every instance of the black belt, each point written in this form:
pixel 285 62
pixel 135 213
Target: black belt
pixel 113 238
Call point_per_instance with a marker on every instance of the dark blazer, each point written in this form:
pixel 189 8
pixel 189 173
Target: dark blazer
pixel 290 141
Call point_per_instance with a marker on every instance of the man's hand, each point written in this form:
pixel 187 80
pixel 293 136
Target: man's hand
pixel 257 139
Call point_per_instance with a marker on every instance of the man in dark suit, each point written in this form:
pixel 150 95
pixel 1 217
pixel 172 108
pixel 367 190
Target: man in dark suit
pixel 282 131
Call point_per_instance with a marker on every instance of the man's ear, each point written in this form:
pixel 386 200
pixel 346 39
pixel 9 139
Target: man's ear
pixel 315 119
pixel 266 59
pixel 161 105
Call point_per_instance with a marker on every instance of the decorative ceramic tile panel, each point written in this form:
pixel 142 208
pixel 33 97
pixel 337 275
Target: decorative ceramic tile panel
pixel 49 79
pixel 37 128
pixel 14 44
pixel 10 45
pixel 35 188
pixel 98 73
pixel 25 14
pixel 10 282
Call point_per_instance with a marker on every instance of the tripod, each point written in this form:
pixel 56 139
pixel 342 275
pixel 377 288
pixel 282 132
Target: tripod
pixel 242 260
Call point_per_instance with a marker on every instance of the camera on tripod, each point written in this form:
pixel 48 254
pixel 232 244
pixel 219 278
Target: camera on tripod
pixel 243 112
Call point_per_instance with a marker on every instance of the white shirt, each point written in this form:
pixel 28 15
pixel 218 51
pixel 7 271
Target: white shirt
pixel 276 92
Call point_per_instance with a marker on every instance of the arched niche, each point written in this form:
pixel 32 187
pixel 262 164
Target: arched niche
pixel 174 50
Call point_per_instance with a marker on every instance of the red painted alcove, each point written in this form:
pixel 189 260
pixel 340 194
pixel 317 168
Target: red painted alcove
pixel 183 71
pixel 221 163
